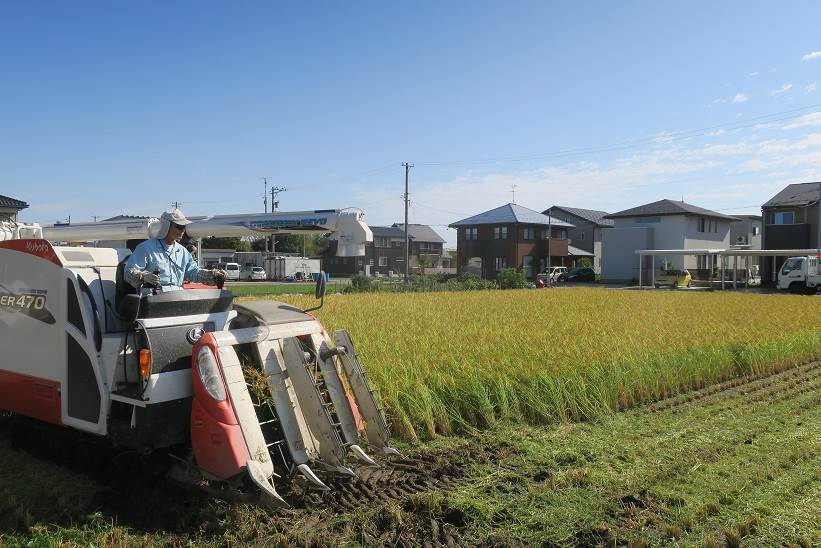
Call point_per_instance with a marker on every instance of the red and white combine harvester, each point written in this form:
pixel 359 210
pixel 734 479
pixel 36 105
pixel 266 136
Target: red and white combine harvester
pixel 81 349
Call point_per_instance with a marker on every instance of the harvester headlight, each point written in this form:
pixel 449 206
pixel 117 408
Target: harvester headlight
pixel 209 373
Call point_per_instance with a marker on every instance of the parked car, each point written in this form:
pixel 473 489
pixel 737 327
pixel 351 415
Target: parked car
pixel 578 275
pixel 674 279
pixel 253 273
pixel 551 273
pixel 231 270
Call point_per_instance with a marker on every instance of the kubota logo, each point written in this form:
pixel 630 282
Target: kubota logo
pixel 37 247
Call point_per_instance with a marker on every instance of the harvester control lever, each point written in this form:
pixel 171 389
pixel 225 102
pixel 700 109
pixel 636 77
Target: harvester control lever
pixel 335 351
pixel 157 288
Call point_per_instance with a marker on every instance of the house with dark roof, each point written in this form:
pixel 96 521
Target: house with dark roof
pixel 791 221
pixel 586 232
pixel 386 254
pixel 9 207
pixel 511 236
pixel 665 224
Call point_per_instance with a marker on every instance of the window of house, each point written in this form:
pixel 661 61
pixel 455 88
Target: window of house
pixel 527 266
pixel 500 263
pixel 472 233
pixel 756 231
pixel 398 243
pixel 784 218
pixel 648 220
pixel 702 224
pixel 381 242
pixel 581 236
pixel 383 260
pixel 544 234
pixel 701 262
pixel 527 233
pixel 562 234
pixel 500 233
pixel 370 262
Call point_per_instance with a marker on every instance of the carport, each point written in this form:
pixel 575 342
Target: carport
pixel 722 255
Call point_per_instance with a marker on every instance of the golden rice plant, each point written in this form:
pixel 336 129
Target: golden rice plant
pixel 447 362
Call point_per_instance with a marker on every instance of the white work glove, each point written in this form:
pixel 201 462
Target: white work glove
pixel 149 278
pixel 219 277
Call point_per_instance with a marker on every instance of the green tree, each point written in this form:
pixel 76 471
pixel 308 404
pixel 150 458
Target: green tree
pixel 237 244
pixel 511 278
pixel 584 262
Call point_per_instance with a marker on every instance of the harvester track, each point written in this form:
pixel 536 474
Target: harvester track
pixel 391 481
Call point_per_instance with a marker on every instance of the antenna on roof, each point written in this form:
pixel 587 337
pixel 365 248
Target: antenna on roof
pixel 513 191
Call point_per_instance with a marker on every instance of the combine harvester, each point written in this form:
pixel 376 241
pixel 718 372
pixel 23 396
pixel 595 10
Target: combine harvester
pixel 82 350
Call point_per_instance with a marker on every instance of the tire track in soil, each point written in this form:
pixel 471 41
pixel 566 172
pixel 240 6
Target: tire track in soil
pixel 771 382
pixel 392 481
pixel 387 488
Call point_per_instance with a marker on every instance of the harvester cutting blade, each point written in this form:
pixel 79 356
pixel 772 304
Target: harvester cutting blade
pixel 360 454
pixel 376 429
pixel 308 474
pixel 270 497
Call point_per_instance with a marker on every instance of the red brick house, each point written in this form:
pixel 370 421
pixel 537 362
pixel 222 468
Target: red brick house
pixel 510 236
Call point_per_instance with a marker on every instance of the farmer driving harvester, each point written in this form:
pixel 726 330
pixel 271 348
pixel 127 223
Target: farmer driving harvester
pixel 163 261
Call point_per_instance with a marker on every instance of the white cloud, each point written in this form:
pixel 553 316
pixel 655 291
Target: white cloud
pixel 812 55
pixel 808 120
pixel 809 88
pixel 716 133
pixel 737 98
pixel 754 73
pixel 783 89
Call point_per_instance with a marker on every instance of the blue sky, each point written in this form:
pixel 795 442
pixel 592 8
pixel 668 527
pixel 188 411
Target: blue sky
pixel 117 107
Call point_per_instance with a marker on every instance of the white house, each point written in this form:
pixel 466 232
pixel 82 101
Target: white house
pixel 665 224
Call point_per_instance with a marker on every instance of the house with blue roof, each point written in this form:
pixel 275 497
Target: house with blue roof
pixel 511 236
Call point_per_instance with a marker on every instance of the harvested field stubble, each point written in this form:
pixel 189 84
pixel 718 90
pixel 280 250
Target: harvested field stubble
pixel 449 362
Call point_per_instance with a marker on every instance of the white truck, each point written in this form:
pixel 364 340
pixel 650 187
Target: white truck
pixel 801 275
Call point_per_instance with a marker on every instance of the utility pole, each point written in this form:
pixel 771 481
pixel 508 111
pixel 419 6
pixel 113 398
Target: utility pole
pixel 275 190
pixel 265 206
pixel 175 205
pixel 549 241
pixel 407 250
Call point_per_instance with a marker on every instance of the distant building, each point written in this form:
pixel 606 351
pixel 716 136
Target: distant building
pixel 587 229
pixel 790 221
pixel 10 207
pixel 665 224
pixel 510 236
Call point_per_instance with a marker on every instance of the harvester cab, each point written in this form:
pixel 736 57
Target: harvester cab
pixel 240 393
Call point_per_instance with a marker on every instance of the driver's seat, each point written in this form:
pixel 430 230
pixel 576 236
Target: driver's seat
pixel 127 297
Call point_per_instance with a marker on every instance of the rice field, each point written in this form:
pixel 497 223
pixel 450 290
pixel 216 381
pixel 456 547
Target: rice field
pixel 454 362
